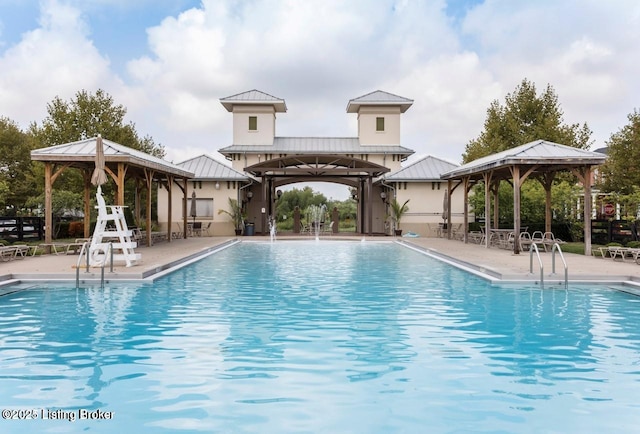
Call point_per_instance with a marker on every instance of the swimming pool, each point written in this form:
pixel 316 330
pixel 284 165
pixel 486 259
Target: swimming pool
pixel 315 337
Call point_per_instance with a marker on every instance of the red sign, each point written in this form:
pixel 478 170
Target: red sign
pixel 609 209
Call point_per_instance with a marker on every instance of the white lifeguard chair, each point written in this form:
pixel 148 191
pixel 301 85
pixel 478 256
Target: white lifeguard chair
pixel 120 237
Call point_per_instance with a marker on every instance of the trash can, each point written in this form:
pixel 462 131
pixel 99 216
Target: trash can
pixel 249 229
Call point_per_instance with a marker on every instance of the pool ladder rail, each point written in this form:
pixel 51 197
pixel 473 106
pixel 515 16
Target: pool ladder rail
pixel 556 247
pixel 84 252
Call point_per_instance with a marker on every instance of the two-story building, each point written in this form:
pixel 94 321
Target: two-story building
pixel 370 164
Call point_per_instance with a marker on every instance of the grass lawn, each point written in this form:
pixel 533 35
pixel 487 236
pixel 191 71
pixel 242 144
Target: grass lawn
pixel 577 247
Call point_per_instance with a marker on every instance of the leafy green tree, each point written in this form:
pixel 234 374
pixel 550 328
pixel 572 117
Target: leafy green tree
pixel 300 198
pixel 17 181
pixel 87 115
pixel 621 172
pixel 523 118
pixel 62 203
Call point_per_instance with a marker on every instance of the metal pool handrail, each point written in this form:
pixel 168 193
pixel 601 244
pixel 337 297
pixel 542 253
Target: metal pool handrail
pixel 531 249
pixel 85 252
pixel 555 247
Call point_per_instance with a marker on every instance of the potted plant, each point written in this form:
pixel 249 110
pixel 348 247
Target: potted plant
pixel 397 211
pixel 236 214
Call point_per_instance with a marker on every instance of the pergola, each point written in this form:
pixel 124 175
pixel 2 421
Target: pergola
pixel 121 163
pixel 320 167
pixel 541 160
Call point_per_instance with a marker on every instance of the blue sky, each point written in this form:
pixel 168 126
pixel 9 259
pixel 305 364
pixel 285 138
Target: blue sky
pixel 170 61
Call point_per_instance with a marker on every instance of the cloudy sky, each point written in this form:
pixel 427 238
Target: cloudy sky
pixel 170 61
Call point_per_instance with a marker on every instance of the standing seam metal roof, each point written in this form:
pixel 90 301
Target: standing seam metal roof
pixel 428 168
pixel 379 97
pixel 206 167
pixel 253 97
pixel 85 151
pixel 537 152
pixel 317 145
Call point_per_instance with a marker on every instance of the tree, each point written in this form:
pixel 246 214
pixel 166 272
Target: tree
pixel 300 198
pixel 17 182
pixel 621 172
pixel 62 203
pixel 525 117
pixel 88 115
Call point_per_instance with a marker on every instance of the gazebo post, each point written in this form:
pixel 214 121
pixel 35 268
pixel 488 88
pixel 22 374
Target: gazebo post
pixel 487 207
pixel 370 204
pixel 169 206
pixel 585 176
pixel 466 186
pixel 515 172
pixel 48 212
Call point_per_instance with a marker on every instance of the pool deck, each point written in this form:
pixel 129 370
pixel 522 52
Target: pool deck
pixel 495 264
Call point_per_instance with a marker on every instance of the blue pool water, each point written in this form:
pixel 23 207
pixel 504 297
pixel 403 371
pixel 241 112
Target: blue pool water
pixel 335 337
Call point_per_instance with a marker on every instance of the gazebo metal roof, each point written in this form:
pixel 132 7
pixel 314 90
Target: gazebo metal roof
pixel 82 154
pixel 541 155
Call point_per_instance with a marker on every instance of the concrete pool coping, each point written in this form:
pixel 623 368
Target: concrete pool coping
pixel 496 265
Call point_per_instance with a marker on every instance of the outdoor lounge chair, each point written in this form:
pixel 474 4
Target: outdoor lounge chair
pixel 22 251
pixel 7 253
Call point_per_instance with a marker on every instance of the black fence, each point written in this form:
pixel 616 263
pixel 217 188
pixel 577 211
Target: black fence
pixel 613 231
pixel 21 228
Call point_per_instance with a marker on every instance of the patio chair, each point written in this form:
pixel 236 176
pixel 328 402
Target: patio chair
pixel 537 237
pixel 508 242
pixel 328 229
pixel 177 234
pixel 476 236
pixel 206 229
pixel 549 239
pixel 525 241
pixel 197 229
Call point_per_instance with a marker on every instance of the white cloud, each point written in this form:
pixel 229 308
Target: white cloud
pixel 56 59
pixel 319 54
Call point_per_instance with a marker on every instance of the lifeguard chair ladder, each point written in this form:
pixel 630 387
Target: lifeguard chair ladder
pixel 120 237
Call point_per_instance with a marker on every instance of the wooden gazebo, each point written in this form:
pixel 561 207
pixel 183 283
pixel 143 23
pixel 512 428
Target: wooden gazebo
pixel 121 163
pixel 541 160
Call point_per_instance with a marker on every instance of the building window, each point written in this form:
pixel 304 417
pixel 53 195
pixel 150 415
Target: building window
pixel 253 123
pixel 379 124
pixel 204 208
